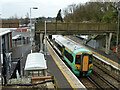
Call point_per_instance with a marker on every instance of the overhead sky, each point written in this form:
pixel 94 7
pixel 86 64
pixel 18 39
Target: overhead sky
pixel 47 8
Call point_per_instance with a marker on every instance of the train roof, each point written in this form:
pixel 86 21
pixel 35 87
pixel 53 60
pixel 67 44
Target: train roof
pixel 35 61
pixel 73 47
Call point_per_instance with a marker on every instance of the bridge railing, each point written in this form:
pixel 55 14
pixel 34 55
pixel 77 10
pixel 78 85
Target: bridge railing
pixel 70 28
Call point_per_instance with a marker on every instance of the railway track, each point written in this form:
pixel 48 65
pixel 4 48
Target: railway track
pixel 95 80
pixel 110 80
pixel 100 67
pixel 101 82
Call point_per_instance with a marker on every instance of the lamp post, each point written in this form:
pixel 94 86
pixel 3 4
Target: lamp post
pixel 21 61
pixel 31 38
pixel 0 21
pixel 45 40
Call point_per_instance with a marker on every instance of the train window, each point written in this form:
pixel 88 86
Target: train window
pixel 58 46
pixel 30 73
pixel 69 56
pixel 41 73
pixel 78 59
pixel 35 73
pixel 90 58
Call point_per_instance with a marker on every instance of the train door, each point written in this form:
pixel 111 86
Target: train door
pixel 85 58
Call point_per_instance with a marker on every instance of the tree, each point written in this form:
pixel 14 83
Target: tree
pixel 26 18
pixel 69 13
pixel 40 19
pixel 91 11
pixel 59 17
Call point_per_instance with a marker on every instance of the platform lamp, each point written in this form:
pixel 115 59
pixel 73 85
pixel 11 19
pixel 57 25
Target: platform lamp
pixel 45 40
pixel 0 21
pixel 31 38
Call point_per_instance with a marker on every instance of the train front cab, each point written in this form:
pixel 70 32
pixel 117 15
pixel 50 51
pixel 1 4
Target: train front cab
pixel 83 64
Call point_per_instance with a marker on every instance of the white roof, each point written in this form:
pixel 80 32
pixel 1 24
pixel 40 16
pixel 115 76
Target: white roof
pixel 4 31
pixel 16 36
pixel 65 42
pixel 84 36
pixel 35 61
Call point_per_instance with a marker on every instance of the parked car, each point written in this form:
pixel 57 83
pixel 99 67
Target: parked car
pixel 18 37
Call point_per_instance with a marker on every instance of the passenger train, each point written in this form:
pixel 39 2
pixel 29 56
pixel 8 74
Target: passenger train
pixel 77 57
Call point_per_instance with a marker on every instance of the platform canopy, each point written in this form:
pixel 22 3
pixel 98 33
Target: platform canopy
pixel 4 31
pixel 35 61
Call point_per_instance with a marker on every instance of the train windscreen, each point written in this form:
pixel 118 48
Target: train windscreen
pixel 90 59
pixel 78 59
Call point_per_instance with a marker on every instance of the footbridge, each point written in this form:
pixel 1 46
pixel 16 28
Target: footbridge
pixel 75 28
pixel 51 28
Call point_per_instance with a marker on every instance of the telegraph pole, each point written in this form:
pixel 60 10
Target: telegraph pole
pixel 117 40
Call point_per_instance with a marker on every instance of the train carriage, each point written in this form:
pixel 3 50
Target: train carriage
pixel 78 58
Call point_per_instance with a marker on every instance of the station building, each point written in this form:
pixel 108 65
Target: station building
pixel 5 47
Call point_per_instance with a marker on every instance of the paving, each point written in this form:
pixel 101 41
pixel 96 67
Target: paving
pixel 53 70
pixel 17 52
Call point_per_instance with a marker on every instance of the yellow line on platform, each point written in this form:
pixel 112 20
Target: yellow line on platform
pixel 94 52
pixel 65 75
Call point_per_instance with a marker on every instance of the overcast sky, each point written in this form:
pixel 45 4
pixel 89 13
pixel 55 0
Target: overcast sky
pixel 47 8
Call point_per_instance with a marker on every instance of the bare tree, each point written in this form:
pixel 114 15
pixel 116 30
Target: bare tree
pixel 26 21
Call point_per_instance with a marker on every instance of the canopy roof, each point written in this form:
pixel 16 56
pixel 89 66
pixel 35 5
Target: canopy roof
pixel 35 61
pixel 4 31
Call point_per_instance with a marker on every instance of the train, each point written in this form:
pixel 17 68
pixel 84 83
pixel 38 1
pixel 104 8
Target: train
pixel 79 59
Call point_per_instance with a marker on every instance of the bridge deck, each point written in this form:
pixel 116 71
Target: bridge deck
pixel 75 28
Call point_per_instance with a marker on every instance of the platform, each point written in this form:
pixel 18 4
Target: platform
pixel 55 71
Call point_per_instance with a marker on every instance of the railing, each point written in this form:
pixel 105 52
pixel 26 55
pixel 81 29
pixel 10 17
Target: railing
pixel 85 41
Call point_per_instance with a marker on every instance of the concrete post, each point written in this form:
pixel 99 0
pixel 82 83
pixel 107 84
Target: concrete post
pixel 45 40
pixel 1 60
pixel 41 42
pixel 106 48
pixel 108 40
pixel 53 42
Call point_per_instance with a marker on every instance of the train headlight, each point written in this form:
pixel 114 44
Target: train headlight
pixel 90 66
pixel 76 67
